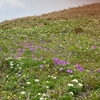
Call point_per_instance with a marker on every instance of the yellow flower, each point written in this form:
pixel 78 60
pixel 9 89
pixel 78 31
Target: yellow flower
pixel 90 94
pixel 14 95
pixel 8 97
pixel 3 91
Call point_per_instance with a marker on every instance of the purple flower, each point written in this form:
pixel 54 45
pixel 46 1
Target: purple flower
pixel 59 62
pixel 79 67
pixel 41 66
pixel 56 61
pixel 98 70
pixel 15 56
pixel 31 49
pixel 40 58
pixel 93 47
pixel 69 71
pixel 63 62
pixel 20 51
pixel 32 56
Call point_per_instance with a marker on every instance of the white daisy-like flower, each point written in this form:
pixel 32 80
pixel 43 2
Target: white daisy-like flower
pixel 70 84
pixel 71 93
pixel 41 98
pixel 54 78
pixel 39 93
pixel 47 81
pixel 75 80
pixel 47 87
pixel 80 84
pixel 28 82
pixel 44 62
pixel 36 80
pixel 44 94
pixel 23 92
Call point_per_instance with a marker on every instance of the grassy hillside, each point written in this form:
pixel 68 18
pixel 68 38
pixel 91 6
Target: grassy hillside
pixel 51 57
pixel 92 10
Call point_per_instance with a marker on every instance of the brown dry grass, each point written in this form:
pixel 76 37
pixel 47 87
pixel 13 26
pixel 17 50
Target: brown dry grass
pixel 91 10
pixel 77 12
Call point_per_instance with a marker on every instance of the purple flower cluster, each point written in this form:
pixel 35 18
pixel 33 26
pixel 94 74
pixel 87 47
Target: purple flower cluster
pixel 59 62
pixel 79 67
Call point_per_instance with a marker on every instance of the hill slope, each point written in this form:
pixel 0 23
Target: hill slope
pixel 51 58
pixel 92 10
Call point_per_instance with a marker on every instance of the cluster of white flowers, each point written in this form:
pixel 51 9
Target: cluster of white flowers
pixel 11 63
pixel 73 83
pixel 53 77
pixel 43 96
pixel 76 81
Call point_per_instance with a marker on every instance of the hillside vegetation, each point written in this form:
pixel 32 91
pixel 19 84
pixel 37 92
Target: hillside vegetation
pixel 92 10
pixel 54 56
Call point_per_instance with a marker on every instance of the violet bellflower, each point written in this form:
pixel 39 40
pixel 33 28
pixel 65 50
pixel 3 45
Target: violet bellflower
pixel 79 67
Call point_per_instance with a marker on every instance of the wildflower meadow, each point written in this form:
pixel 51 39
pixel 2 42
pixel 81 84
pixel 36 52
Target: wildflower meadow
pixel 48 60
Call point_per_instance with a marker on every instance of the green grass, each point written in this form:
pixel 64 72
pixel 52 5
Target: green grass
pixel 24 50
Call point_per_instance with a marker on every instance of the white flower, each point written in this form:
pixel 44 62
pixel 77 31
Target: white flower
pixel 28 82
pixel 71 93
pixel 75 80
pixel 54 78
pixel 7 76
pixel 47 87
pixel 23 92
pixel 49 76
pixel 23 75
pixel 44 95
pixel 61 45
pixel 41 98
pixel 39 93
pixel 70 84
pixel 44 61
pixel 20 67
pixel 80 84
pixel 47 81
pixel 36 80
pixel 11 63
pixel 17 64
pixel 11 67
